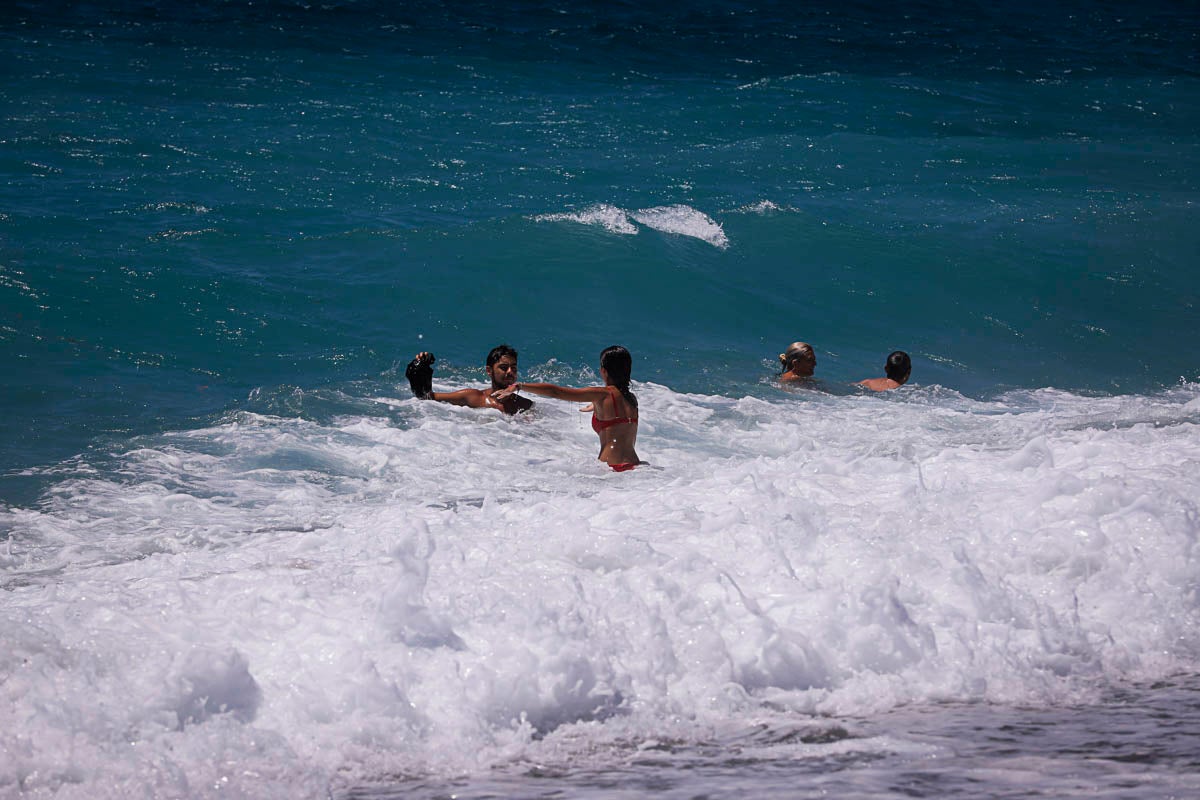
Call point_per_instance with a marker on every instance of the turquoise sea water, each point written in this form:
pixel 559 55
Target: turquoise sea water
pixel 226 227
pixel 199 202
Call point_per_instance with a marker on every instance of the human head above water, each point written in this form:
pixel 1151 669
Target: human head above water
pixel 501 366
pixel 497 352
pixel 617 364
pixel 898 366
pixel 799 354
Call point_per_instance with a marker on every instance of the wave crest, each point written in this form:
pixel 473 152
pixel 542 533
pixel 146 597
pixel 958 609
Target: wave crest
pixel 681 220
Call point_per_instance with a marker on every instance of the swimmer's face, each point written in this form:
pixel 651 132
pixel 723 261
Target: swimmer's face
pixel 503 373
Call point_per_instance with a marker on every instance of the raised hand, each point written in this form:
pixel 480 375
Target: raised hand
pixel 420 375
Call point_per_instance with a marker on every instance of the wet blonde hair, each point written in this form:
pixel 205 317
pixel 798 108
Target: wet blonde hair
pixel 797 351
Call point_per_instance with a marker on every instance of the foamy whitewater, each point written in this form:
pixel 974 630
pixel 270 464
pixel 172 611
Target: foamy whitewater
pixel 679 220
pixel 271 607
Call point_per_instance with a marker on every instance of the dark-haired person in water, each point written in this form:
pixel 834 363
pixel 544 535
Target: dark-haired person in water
pixel 799 362
pixel 614 408
pixel 501 369
pixel 898 367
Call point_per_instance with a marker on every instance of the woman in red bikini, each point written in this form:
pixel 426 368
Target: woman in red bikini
pixel 614 408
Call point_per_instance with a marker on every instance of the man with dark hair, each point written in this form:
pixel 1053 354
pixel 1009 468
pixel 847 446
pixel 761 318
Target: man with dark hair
pixel 501 369
pixel 898 367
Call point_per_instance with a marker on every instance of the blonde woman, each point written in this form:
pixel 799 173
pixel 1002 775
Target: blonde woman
pixel 798 362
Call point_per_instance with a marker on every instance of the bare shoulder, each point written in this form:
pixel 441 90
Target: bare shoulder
pixel 476 398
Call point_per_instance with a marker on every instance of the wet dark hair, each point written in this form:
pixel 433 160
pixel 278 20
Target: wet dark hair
pixel 898 366
pixel 500 351
pixel 617 362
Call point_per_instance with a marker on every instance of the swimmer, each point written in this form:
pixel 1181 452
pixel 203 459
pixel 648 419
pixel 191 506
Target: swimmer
pixel 898 367
pixel 501 369
pixel 799 362
pixel 614 408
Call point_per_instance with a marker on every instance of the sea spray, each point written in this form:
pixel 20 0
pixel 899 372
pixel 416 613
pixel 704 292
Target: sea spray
pixel 473 579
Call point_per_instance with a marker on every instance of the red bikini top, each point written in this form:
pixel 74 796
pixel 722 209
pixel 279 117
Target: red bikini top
pixel 602 424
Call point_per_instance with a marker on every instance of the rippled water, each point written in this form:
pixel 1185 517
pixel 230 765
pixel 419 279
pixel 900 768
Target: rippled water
pixel 1139 740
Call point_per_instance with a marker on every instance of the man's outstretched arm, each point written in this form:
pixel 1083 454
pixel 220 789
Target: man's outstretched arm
pixel 420 380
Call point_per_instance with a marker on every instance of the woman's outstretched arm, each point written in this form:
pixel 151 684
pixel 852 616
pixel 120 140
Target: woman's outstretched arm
pixel 587 394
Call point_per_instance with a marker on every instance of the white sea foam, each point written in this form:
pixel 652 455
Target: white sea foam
pixel 611 218
pixel 683 221
pixel 680 220
pixel 272 607
pixel 760 207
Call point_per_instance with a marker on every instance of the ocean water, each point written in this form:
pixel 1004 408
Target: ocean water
pixel 237 558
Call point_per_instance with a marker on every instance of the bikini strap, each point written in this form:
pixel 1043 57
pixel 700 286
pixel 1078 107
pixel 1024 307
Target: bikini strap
pixel 616 407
